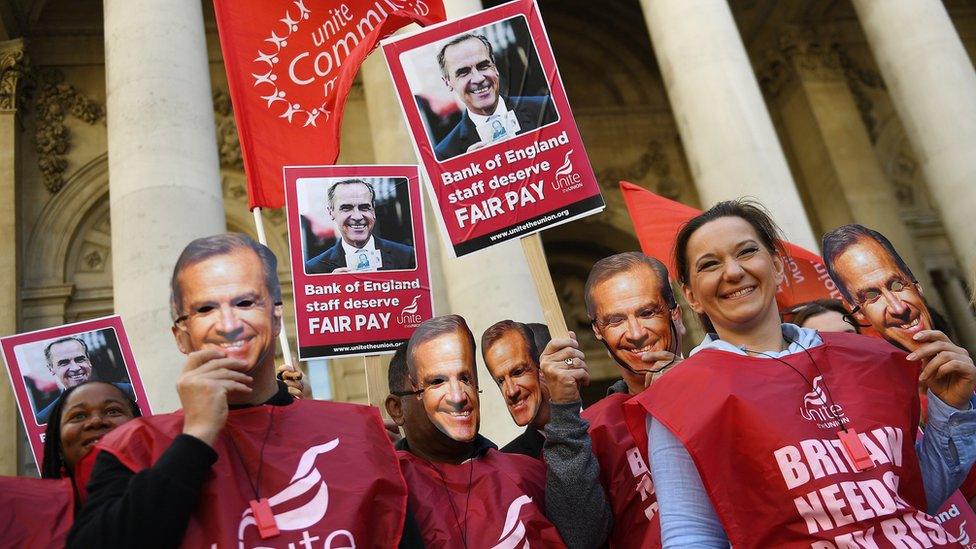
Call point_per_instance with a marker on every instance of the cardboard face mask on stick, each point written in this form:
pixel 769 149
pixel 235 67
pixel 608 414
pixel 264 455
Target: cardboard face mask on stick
pixel 877 283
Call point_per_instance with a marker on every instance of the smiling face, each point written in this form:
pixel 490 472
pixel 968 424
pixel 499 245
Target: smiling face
pixel 353 213
pixel 517 376
pixel 631 318
pixel 89 413
pixel 472 76
pixel 69 363
pixel 887 297
pixel 228 308
pixel 732 277
pixel 448 406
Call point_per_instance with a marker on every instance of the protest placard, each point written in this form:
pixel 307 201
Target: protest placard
pixel 359 258
pixel 43 364
pixel 492 125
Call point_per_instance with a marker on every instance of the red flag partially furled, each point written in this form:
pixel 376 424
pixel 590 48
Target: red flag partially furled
pixel 657 221
pixel 290 66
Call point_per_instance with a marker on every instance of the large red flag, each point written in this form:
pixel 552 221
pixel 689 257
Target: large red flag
pixel 657 221
pixel 290 65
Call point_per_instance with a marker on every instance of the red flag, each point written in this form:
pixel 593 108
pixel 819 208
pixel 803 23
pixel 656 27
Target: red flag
pixel 290 65
pixel 657 221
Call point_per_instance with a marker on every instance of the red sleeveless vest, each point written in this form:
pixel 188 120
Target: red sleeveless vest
pixel 624 474
pixel 35 512
pixel 505 508
pixel 765 442
pixel 329 473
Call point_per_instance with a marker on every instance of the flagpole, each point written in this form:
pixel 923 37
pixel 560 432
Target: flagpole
pixel 282 335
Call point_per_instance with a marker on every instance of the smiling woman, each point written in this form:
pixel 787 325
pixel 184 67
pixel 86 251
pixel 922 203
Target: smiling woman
pixel 750 390
pixel 85 414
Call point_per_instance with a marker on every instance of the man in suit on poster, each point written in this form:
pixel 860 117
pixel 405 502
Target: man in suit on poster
pixel 352 208
pixel 468 69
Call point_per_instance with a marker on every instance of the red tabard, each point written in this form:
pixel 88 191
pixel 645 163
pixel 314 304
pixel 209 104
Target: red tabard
pixel 765 442
pixel 329 473
pixel 505 508
pixel 35 512
pixel 624 474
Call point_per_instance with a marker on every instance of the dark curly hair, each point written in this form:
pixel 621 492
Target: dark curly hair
pixel 53 464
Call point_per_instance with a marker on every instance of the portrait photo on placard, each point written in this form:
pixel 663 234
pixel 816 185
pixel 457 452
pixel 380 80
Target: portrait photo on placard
pixel 51 366
pixel 351 225
pixel 479 88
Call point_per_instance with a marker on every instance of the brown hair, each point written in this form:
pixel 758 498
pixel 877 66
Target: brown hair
pixel 498 330
pixel 434 328
pixel 751 212
pixel 613 265
pixel 222 244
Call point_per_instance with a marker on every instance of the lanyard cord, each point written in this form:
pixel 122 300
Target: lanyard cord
pixel 467 498
pixel 829 396
pixel 255 485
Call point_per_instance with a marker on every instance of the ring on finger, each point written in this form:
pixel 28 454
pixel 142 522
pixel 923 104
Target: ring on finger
pixel 568 361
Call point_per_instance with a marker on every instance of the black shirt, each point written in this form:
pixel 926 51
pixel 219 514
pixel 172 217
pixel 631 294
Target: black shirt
pixel 152 508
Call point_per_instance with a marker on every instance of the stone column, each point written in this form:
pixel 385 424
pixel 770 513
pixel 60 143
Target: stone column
pixel 12 65
pixel 164 173
pixel 484 288
pixel 725 128
pixel 933 87
pixel 958 308
pixel 843 177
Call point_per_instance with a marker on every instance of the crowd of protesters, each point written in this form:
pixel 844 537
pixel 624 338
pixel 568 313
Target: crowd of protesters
pixel 779 429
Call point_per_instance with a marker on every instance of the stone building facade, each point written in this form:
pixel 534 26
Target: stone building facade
pixel 829 112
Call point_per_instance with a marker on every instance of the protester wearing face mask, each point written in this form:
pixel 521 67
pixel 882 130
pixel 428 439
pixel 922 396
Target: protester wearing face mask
pixel 774 435
pixel 463 492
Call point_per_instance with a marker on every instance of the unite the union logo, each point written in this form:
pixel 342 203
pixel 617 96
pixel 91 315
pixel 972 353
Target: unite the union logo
pixel 816 408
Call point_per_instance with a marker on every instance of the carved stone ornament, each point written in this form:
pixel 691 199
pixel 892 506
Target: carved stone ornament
pixel 13 65
pixel 861 82
pixel 228 144
pixel 799 52
pixel 653 160
pixel 53 101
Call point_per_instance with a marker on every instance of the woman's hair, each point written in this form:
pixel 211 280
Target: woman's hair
pixel 802 312
pixel 53 464
pixel 751 212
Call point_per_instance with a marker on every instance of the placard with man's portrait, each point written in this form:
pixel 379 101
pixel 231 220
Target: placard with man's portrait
pixel 492 125
pixel 44 364
pixel 359 258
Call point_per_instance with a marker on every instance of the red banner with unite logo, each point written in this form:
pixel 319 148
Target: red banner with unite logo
pixel 290 66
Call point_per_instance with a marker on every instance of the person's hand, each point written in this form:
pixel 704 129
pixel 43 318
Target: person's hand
pixel 564 369
pixel 207 377
pixel 293 378
pixel 476 146
pixel 660 362
pixel 392 430
pixel 947 369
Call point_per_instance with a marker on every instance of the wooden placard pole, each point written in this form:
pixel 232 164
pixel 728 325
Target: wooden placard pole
pixel 535 256
pixel 377 384
pixel 282 335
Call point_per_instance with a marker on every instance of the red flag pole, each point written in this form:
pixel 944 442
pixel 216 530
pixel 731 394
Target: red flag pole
pixel 282 335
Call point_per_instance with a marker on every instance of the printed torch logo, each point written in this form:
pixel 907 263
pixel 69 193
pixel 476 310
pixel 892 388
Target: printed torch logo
pixel 513 533
pixel 816 396
pixel 566 177
pixel 306 485
pixel 815 408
